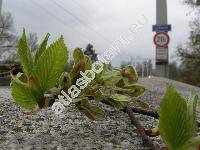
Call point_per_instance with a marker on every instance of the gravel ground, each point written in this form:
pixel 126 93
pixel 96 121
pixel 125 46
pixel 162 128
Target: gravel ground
pixel 74 131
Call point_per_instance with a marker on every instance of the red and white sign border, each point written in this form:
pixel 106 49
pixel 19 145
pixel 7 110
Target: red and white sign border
pixel 158 45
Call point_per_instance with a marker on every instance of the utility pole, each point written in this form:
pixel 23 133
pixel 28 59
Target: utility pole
pixel 147 69
pixel 142 70
pixel 1 1
pixel 161 39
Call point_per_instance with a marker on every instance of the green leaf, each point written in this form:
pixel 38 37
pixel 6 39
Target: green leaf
pixel 91 111
pixel 143 104
pixel 79 64
pixel 134 90
pixel 137 90
pixel 110 74
pixel 41 48
pixel 23 94
pixel 195 140
pixel 174 127
pixel 112 81
pixel 116 104
pixel 130 73
pixel 51 65
pixel 111 77
pixel 55 91
pixel 192 144
pixel 120 97
pixel 78 55
pixel 25 55
pixel 65 81
pixel 97 112
pixel 22 77
pixel 98 95
pixel 75 72
pixel 88 63
pixel 191 105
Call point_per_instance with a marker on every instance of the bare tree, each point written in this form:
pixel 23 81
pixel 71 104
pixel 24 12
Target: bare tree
pixel 190 56
pixel 90 51
pixel 9 39
pixel 192 2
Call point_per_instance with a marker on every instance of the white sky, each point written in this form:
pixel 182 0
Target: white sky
pixel 110 18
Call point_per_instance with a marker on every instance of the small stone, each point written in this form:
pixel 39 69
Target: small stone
pixel 108 146
pixel 125 144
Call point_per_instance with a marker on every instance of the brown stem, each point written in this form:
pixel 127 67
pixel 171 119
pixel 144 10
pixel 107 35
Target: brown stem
pixel 140 129
pixel 152 113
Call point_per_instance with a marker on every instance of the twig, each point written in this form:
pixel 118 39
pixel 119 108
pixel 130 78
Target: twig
pixel 140 129
pixel 152 113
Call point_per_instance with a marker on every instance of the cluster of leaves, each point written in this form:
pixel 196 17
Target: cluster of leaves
pixel 44 73
pixel 40 72
pixel 177 121
pixel 112 86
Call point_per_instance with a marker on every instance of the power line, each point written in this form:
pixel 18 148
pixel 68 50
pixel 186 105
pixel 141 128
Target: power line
pixel 48 12
pixel 79 5
pixel 87 13
pixel 52 15
pixel 79 20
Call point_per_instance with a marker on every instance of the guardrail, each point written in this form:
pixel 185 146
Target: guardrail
pixel 5 70
pixel 5 81
pixel 4 67
pixel 5 75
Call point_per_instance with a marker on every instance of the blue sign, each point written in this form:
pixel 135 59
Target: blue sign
pixel 164 28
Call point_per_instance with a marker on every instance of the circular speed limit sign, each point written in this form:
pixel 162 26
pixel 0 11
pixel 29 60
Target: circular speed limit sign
pixel 161 39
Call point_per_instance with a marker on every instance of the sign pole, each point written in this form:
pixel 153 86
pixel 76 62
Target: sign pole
pixel 162 69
